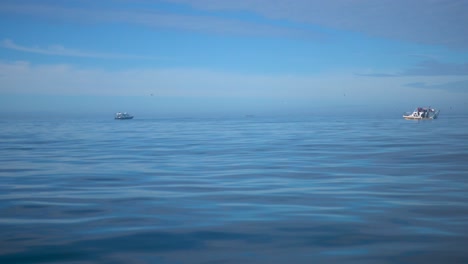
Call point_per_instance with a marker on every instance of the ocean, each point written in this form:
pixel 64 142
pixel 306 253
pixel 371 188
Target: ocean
pixel 251 189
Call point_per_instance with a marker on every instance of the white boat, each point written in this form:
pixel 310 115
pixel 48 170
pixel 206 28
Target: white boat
pixel 125 115
pixel 422 113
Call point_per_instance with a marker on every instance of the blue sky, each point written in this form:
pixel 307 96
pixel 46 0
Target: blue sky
pixel 256 56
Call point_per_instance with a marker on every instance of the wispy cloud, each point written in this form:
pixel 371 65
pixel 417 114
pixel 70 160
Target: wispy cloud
pixel 59 50
pixel 428 68
pixel 24 78
pixel 428 22
pixel 458 86
pixel 377 74
pixel 435 68
pixel 154 18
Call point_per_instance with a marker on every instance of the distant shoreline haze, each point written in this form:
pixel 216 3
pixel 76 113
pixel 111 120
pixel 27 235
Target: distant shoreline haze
pixel 147 106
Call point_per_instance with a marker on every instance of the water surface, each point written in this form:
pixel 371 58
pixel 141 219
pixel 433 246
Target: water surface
pixel 238 190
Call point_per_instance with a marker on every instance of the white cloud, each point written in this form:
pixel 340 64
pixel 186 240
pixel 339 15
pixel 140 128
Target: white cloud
pixel 25 78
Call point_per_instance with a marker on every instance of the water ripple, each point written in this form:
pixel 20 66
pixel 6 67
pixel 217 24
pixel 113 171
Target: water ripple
pixel 234 191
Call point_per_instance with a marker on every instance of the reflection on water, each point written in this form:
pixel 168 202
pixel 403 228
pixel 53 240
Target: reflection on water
pixel 251 190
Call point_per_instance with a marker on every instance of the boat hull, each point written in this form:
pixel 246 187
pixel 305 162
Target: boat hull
pixel 417 118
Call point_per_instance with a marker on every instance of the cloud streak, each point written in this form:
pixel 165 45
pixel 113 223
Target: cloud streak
pixel 154 18
pixel 434 22
pixel 430 22
pixel 428 68
pixel 61 79
pixel 26 78
pixel 426 21
pixel 458 86
pixel 59 50
pixel 436 68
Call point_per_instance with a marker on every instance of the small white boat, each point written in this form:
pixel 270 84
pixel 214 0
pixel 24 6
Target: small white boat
pixel 125 115
pixel 422 113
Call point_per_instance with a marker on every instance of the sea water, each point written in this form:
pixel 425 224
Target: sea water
pixel 236 190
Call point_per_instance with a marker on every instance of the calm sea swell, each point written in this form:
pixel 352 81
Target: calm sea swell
pixel 248 190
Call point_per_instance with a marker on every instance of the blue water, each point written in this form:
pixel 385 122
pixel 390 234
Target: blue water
pixel 238 190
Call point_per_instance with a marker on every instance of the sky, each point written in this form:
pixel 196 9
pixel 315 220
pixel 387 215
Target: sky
pixel 187 57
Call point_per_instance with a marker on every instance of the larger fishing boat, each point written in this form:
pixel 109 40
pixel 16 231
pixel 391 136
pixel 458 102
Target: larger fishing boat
pixel 422 113
pixel 125 115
